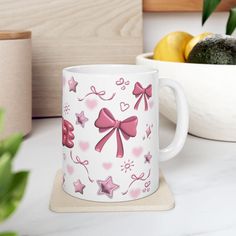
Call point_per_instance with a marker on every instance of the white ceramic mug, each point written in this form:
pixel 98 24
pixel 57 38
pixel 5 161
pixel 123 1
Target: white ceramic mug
pixel 110 131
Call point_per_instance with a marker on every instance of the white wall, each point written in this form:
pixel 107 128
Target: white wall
pixel 156 25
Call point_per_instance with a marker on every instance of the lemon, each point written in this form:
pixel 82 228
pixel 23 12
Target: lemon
pixel 193 42
pixel 172 47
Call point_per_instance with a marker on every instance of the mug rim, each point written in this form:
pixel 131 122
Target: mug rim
pixel 110 69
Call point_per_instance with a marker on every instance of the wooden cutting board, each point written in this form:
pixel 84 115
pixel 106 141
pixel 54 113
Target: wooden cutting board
pixel 73 32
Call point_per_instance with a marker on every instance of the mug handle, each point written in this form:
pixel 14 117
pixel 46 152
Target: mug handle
pixel 182 121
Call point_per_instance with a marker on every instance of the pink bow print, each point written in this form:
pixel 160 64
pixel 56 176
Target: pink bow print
pixel 140 92
pixel 106 121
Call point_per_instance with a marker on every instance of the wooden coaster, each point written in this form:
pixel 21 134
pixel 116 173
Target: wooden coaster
pixel 60 201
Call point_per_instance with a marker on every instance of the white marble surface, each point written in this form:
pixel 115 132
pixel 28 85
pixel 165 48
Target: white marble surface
pixel 202 178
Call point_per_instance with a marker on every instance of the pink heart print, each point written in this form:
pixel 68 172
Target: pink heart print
pixel 91 103
pixel 83 145
pixel 107 165
pixel 151 104
pixel 147 184
pixel 124 106
pixel 137 151
pixel 70 169
pixel 67 133
pixel 134 193
pixel 120 81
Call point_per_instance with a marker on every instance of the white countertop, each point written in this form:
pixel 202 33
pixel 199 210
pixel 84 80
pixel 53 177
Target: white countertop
pixel 202 178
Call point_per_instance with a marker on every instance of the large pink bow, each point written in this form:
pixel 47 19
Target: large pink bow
pixel 106 121
pixel 140 92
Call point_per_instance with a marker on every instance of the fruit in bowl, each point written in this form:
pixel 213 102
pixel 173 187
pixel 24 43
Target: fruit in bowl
pixel 216 49
pixel 209 88
pixel 172 47
pixel 206 48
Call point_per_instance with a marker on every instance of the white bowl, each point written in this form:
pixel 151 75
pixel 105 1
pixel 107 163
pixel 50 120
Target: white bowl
pixel 211 95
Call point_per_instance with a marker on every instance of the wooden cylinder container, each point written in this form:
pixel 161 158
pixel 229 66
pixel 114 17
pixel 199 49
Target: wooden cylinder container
pixel 16 81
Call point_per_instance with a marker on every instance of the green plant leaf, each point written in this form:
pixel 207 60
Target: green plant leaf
pixel 208 7
pixel 1 119
pixel 9 234
pixel 11 144
pixel 231 23
pixel 6 209
pixel 18 185
pixel 5 174
pixel 11 200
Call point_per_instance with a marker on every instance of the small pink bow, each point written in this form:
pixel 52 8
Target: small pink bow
pixel 140 92
pixel 106 121
pixel 140 177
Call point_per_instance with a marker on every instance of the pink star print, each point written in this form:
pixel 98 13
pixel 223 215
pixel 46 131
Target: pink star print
pixel 79 187
pixel 81 118
pixel 107 187
pixel 147 157
pixel 72 85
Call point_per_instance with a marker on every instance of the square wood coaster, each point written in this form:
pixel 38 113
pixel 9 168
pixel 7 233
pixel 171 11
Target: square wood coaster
pixel 60 201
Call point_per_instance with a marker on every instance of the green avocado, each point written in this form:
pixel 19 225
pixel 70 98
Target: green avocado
pixel 215 49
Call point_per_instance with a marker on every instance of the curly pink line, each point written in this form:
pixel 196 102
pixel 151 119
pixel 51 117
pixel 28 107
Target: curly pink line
pixel 83 163
pixel 100 94
pixel 135 178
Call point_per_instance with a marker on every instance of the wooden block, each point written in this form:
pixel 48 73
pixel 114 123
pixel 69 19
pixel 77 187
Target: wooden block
pixel 16 84
pixel 73 32
pixel 182 5
pixel 60 201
